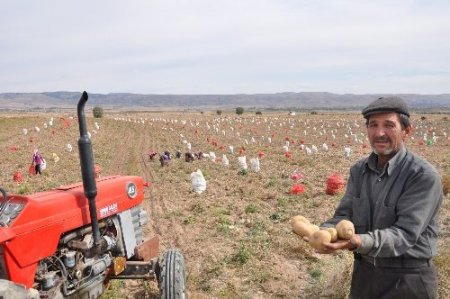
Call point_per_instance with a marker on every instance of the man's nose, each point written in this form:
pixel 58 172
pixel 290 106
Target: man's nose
pixel 380 132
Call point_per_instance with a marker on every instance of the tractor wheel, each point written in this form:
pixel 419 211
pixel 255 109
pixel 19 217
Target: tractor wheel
pixel 172 276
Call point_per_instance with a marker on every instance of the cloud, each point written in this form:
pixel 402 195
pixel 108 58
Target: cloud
pixel 223 46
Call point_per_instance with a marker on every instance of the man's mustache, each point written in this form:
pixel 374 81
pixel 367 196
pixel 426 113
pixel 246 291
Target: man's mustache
pixel 382 139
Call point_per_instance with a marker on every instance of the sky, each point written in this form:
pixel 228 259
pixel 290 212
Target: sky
pixel 225 46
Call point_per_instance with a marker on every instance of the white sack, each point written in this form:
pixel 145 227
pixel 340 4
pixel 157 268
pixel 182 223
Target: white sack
pixel 198 181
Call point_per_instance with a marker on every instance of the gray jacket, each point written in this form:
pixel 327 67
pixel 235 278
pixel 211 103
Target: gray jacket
pixel 395 210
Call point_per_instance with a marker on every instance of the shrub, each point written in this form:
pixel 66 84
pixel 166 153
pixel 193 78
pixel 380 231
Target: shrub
pixel 239 110
pixel 219 112
pixel 258 112
pixel 98 112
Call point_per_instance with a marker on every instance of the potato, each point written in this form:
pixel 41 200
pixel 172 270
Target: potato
pixel 345 229
pixel 299 218
pixel 304 229
pixel 318 238
pixel 314 228
pixel 333 232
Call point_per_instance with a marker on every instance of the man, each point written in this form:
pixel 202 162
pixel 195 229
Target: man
pixel 393 199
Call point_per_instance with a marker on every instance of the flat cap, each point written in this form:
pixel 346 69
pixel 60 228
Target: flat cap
pixel 386 104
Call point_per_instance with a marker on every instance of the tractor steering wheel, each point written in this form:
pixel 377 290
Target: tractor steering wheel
pixel 3 203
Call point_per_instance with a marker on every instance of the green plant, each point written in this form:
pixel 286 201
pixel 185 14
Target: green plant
pixel 243 172
pixel 223 228
pixel 114 290
pixel 283 202
pixel 219 112
pixel 223 219
pixel 251 208
pixel 205 173
pixel 239 110
pixel 263 275
pixel 315 273
pixel 189 220
pixel 276 217
pixel 257 229
pixel 97 112
pixel 24 189
pixel 271 183
pixel 198 208
pixel 242 256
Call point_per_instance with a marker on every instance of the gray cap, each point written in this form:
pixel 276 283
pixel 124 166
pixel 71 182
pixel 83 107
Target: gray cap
pixel 387 104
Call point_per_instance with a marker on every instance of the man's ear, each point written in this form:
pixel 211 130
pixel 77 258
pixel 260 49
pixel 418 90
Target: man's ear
pixel 406 132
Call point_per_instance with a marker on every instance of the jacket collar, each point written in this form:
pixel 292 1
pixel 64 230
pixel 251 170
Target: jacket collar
pixel 390 166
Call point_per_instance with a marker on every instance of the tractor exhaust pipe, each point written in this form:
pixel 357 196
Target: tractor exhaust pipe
pixel 87 167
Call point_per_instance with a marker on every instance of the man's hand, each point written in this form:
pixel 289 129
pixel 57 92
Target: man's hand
pixel 329 248
pixel 351 244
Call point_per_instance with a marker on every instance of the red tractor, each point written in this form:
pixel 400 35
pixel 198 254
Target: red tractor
pixel 70 241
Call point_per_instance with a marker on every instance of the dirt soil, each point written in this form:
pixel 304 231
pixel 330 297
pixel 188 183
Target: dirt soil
pixel 235 237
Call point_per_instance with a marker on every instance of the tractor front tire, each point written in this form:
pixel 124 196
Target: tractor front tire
pixel 172 275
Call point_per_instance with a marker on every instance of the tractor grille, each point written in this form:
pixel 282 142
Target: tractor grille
pixel 139 218
pixel 131 223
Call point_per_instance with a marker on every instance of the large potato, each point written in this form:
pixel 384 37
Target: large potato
pixel 299 218
pixel 304 229
pixel 345 229
pixel 333 232
pixel 319 238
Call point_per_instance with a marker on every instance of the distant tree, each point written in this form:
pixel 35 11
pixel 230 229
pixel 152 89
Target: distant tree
pixel 97 112
pixel 219 112
pixel 258 112
pixel 313 112
pixel 239 110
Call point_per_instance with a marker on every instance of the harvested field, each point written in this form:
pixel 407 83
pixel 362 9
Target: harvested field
pixel 235 236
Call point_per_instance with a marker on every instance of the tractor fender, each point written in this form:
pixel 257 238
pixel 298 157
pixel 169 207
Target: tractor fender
pixel 24 247
pixel 6 234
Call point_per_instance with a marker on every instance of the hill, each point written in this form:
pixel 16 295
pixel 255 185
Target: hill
pixel 278 101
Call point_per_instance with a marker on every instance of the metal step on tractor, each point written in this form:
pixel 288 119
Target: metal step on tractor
pixel 69 242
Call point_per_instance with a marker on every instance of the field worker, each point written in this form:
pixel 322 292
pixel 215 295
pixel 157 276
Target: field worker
pixel 393 198
pixel 38 160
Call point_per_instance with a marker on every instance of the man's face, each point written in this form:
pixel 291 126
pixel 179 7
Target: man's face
pixel 385 132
